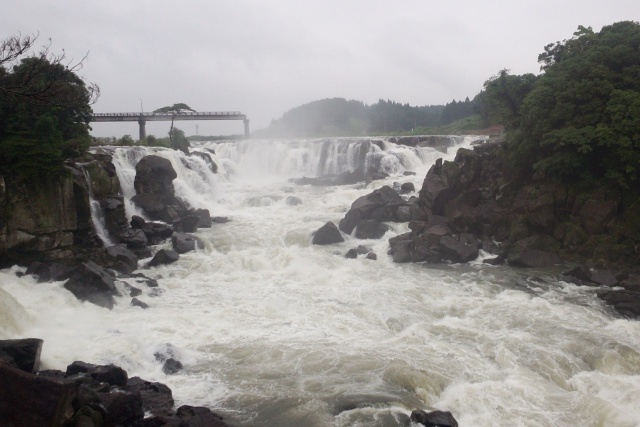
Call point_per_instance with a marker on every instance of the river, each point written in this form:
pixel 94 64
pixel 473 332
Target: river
pixel 274 331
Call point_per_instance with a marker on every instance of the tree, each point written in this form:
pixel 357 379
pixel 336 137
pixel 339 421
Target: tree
pixel 175 110
pixel 581 121
pixel 501 100
pixel 44 108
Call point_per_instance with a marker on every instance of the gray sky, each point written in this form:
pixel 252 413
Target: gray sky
pixel 265 57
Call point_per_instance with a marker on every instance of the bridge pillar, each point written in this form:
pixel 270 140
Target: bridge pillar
pixel 247 134
pixel 143 130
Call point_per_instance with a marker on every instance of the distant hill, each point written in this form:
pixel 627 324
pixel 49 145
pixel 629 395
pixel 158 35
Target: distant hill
pixel 341 117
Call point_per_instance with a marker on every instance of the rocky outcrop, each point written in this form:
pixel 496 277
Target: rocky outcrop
pixel 328 234
pixel 155 192
pixel 344 178
pixel 91 395
pixel 433 418
pixel 473 200
pixel 89 282
pixel 383 204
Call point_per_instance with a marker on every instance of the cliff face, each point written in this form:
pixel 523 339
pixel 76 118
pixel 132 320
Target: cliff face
pixel 537 223
pixel 51 220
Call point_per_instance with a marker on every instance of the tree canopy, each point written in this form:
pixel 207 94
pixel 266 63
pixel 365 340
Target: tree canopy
pixel 44 109
pixel 176 136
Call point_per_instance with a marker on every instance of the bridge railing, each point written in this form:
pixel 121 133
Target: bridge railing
pixel 195 113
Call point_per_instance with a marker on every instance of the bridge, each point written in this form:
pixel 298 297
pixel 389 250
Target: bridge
pixel 143 118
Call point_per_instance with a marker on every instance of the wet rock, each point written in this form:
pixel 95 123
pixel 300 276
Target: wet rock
pixel 110 374
pixel 48 271
pixel 137 222
pixel 90 282
pixel 27 399
pixel 327 234
pixel 434 418
pixel 220 219
pixel 293 201
pixel 121 259
pixel 624 302
pixel 494 261
pixel 204 218
pixel 171 366
pixel 372 256
pixel 137 303
pixel 183 243
pixel 351 254
pixel 162 257
pixel 407 188
pixel 380 205
pixel 23 354
pixel 133 238
pixel 157 232
pixel 371 229
pixel 157 398
pixel 187 224
pixel 213 167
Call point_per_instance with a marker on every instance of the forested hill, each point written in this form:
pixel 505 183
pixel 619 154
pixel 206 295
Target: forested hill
pixel 341 117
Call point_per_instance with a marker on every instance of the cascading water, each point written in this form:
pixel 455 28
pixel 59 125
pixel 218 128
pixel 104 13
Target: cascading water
pixel 97 219
pixel 273 331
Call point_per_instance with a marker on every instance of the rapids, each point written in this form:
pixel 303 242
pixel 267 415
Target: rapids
pixel 274 331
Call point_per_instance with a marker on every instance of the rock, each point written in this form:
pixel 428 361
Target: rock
pixel 494 261
pixel 187 224
pixel 528 257
pixel 121 259
pixel 27 399
pixel 454 250
pixel 154 174
pixel 351 254
pixel 137 222
pixel 183 243
pixel 220 219
pixel 371 229
pixel 193 416
pixel 213 167
pixel 293 201
pixel 137 303
pixel 381 205
pixel 162 257
pixel 23 354
pixel 171 366
pixel 157 398
pixel 133 238
pixel 110 374
pixel 372 256
pixel 121 407
pixel 407 188
pixel 48 271
pixel 89 282
pixel 606 278
pixel 624 302
pixel 434 418
pixel 204 218
pixel 327 234
pixel 157 232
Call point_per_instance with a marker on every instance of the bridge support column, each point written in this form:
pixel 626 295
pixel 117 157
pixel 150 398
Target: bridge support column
pixel 247 134
pixel 143 130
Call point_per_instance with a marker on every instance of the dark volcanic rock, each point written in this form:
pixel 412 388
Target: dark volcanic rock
pixel 624 302
pixel 434 418
pixel 171 366
pixel 157 232
pixel 133 238
pixel 48 271
pixel 380 205
pixel 111 374
pixel 157 398
pixel 89 282
pixel 183 243
pixel 162 257
pixel 137 303
pixel 187 224
pixel 327 234
pixel 23 354
pixel 121 259
pixel 371 229
pixel 204 218
pixel 27 399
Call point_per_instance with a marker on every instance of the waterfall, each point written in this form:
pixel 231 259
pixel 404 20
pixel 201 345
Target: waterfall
pixel 97 219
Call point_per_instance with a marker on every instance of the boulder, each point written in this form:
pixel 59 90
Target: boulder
pixel 351 254
pixel 293 201
pixel 154 174
pixel 187 224
pixel 110 374
pixel 137 222
pixel 371 229
pixel 135 302
pixel 204 218
pixel 90 282
pixel 162 257
pixel 23 354
pixel 407 188
pixel 183 243
pixel 434 418
pixel 121 259
pixel 171 366
pixel 372 256
pixel 327 234
pixel 27 399
pixel 133 238
pixel 157 398
pixel 624 302
pixel 157 232
pixel 48 271
pixel 381 205
pixel 213 167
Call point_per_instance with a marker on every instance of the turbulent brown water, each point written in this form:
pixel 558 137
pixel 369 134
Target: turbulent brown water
pixel 274 331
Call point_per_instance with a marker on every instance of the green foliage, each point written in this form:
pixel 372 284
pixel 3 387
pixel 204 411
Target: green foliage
pixel 44 111
pixel 581 120
pixel 174 109
pixel 179 141
pixel 126 140
pixel 501 100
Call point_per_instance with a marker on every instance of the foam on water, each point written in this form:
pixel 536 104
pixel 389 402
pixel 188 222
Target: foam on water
pixel 275 331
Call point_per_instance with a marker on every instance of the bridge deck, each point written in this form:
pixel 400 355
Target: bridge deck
pixel 151 117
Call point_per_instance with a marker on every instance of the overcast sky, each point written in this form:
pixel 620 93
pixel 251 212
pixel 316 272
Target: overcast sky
pixel 265 57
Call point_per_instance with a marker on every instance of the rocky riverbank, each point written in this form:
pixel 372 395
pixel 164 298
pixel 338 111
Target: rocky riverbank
pixel 472 204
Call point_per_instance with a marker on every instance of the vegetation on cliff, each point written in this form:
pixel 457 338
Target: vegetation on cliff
pixel 579 121
pixel 45 109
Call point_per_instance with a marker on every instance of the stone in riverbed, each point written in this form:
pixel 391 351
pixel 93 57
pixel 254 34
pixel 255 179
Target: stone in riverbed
pixel 90 282
pixel 327 234
pixel 434 418
pixel 23 354
pixel 162 257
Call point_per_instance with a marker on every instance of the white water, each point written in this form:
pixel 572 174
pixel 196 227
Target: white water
pixel 273 331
